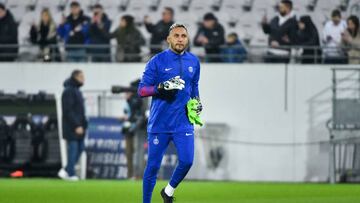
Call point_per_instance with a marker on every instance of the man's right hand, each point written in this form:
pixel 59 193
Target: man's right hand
pixel 175 83
pixel 79 130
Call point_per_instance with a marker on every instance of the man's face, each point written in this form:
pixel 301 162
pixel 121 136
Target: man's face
pixel 178 39
pixel 2 13
pixel 336 19
pixel 167 16
pixel 75 10
pixel 97 11
pixel 80 78
pixel 301 25
pixel 209 24
pixel 123 23
pixel 283 9
pixel 351 25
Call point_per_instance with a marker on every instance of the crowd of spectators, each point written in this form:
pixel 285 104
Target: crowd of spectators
pixel 88 37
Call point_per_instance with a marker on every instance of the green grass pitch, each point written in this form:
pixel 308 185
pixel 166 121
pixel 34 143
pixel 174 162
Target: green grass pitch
pixel 101 191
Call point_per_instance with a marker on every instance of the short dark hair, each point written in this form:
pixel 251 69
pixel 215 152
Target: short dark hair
pixel 336 13
pixel 176 25
pixel 171 10
pixel 233 34
pixel 2 6
pixel 74 4
pixel 75 73
pixel 288 3
pixel 99 6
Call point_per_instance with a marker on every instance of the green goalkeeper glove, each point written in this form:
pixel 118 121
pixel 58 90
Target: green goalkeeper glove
pixel 192 112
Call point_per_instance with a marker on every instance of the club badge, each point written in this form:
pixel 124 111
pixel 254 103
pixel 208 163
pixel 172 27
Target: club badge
pixel 156 141
pixel 191 69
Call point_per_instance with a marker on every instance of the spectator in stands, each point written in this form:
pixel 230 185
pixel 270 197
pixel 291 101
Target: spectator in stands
pixel 308 35
pixel 233 52
pixel 74 123
pixel 211 36
pixel 8 35
pixel 44 34
pixel 99 35
pixel 129 40
pixel 282 32
pixel 74 29
pixel 351 39
pixel 333 29
pixel 160 30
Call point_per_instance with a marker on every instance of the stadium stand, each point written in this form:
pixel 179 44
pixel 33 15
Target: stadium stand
pixel 240 16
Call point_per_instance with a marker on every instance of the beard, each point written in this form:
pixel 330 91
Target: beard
pixel 178 48
pixel 283 13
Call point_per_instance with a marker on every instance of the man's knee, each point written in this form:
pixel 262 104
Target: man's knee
pixel 152 169
pixel 186 164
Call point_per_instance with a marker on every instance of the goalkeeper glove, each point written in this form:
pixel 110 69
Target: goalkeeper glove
pixel 199 106
pixel 175 83
pixel 192 112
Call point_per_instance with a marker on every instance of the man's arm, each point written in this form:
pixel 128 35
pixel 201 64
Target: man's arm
pixel 147 86
pixel 67 108
pixel 195 83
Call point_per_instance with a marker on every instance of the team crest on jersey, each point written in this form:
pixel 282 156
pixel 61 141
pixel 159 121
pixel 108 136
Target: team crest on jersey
pixel 191 69
pixel 156 141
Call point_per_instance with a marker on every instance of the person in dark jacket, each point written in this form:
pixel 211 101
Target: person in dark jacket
pixel 74 122
pixel 74 30
pixel 159 31
pixel 234 51
pixel 308 35
pixel 8 35
pixel 129 40
pixel 211 36
pixel 44 34
pixel 282 31
pixel 99 32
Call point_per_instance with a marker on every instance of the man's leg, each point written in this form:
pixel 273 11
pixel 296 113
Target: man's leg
pixel 129 140
pixel 72 151
pixel 81 146
pixel 184 143
pixel 157 144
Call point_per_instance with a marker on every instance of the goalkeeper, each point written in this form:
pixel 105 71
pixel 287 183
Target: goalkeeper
pixel 171 78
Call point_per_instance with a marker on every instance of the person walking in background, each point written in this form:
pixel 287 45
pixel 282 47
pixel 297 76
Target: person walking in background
pixel 351 39
pixel 8 35
pixel 159 31
pixel 74 123
pixel 99 35
pixel 44 34
pixel 233 52
pixel 333 30
pixel 308 35
pixel 211 36
pixel 74 30
pixel 129 40
pixel 282 32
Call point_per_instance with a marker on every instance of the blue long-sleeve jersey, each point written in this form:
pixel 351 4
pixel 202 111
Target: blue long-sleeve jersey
pixel 169 116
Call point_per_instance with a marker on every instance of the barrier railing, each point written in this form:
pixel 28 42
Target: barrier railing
pixel 235 54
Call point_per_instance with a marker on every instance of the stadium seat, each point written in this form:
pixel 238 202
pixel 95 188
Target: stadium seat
pixel 21 134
